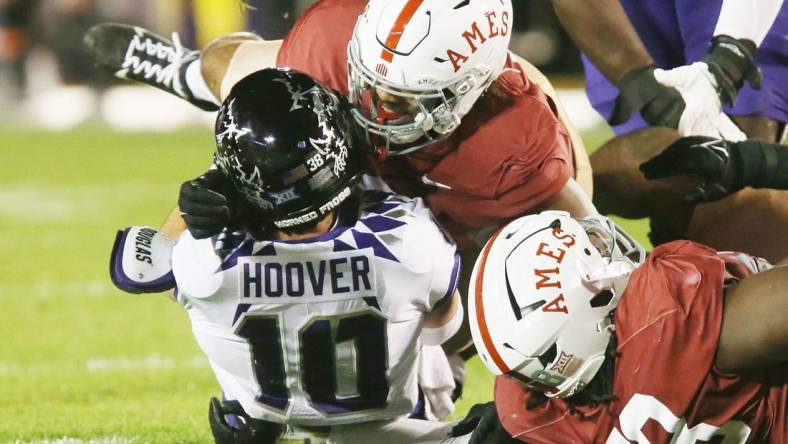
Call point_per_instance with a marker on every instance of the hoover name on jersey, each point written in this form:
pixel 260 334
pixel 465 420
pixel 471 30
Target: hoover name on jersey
pixel 287 279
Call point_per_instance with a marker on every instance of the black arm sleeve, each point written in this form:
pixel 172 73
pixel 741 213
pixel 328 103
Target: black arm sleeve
pixel 763 164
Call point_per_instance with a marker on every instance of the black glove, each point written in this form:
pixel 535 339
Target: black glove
pixel 724 166
pixel 659 105
pixel 483 424
pixel 209 203
pixel 732 61
pixel 249 431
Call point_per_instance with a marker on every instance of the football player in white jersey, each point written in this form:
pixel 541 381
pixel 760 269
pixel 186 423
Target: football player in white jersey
pixel 313 312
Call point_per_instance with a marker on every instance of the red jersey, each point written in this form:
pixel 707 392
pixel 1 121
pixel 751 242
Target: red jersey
pixel 668 325
pixel 509 155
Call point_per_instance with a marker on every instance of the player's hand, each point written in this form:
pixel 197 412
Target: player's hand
pixel 208 204
pixel 660 105
pixel 703 114
pixel 732 62
pixel 484 426
pixel 724 166
pixel 221 430
pixel 704 157
pixel 246 431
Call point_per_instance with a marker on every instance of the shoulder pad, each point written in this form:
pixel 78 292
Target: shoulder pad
pixel 141 261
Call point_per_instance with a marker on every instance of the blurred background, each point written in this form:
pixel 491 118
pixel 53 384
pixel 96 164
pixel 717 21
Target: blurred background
pixel 84 155
pixel 47 81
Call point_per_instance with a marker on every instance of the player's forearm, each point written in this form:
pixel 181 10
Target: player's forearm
pixel 443 322
pixel 747 19
pixel 602 30
pixel 229 59
pixel 762 164
pixel 442 314
pixel 573 199
pixel 755 323
pixel 174 225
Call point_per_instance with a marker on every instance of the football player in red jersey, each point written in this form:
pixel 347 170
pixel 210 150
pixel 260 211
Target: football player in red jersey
pixel 434 88
pixel 595 345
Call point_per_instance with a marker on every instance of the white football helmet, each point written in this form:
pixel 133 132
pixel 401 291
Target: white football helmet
pixel 416 67
pixel 541 294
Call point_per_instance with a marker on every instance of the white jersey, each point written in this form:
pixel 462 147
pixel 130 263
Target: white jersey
pixel 323 331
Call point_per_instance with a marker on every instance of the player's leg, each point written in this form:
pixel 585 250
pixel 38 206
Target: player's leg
pixel 216 57
pixel 134 53
pixel 621 189
pixel 761 127
pixel 753 221
pixel 229 59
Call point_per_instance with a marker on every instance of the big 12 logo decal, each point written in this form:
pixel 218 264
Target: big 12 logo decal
pixel 642 408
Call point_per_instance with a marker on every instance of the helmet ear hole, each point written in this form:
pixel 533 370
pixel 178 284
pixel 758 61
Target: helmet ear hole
pixel 601 299
pixel 549 355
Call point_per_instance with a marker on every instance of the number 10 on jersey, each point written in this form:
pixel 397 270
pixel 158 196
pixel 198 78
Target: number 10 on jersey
pixel 342 361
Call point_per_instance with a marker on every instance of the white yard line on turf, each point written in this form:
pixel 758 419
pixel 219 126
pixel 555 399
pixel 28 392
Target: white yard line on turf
pixel 46 289
pixel 58 205
pixel 96 365
pixel 147 363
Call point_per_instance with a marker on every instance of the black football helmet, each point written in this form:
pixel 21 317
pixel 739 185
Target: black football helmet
pixel 286 143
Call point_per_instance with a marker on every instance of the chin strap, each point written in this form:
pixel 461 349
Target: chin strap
pixel 582 378
pixel 471 89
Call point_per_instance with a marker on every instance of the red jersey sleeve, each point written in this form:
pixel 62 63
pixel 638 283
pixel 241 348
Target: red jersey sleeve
pixel 506 165
pixel 317 44
pixel 549 423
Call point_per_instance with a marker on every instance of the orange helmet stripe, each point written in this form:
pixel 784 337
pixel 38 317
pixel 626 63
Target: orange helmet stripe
pixel 399 27
pixel 482 321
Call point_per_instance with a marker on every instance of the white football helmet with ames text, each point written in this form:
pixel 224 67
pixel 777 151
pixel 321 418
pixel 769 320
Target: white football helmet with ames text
pixel 416 67
pixel 541 295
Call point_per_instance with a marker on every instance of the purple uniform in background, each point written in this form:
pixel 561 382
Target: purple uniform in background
pixel 679 32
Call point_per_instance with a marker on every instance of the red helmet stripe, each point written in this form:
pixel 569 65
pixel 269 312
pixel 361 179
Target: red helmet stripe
pixel 488 343
pixel 399 26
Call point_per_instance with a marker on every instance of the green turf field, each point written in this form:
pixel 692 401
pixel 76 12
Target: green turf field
pixel 79 360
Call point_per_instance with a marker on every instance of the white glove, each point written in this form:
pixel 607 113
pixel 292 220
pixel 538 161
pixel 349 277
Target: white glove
pixel 726 129
pixel 703 114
